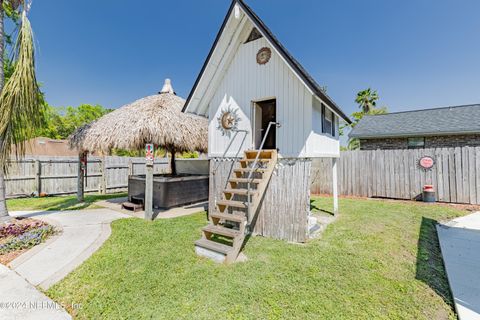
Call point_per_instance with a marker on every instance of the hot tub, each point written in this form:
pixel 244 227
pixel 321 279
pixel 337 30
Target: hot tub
pixel 170 191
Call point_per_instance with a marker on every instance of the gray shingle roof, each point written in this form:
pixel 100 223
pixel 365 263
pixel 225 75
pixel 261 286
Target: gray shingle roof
pixel 438 121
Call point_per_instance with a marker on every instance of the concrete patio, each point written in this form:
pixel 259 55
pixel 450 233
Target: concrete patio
pixel 460 244
pixel 116 204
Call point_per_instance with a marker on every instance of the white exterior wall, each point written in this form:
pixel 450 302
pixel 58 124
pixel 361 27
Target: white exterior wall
pixel 322 144
pixel 246 81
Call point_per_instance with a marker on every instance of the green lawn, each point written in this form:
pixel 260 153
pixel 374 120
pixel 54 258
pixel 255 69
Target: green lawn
pixel 59 203
pixel 379 260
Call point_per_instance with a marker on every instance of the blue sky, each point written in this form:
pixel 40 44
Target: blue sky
pixel 416 53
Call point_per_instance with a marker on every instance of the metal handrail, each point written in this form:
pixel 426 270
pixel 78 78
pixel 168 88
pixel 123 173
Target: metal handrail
pixel 214 171
pixel 250 174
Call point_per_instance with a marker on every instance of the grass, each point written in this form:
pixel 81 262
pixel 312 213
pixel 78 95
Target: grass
pixel 59 203
pixel 379 260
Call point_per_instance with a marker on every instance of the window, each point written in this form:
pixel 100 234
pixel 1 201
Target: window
pixel 416 143
pixel 328 121
pixel 317 119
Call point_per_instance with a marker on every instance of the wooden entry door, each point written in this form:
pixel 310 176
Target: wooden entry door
pixel 265 112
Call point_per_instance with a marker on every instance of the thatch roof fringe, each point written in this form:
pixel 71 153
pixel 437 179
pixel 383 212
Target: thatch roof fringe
pixel 156 119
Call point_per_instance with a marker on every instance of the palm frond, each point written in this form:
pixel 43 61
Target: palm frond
pixel 21 104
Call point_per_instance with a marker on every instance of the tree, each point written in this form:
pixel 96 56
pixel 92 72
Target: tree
pixel 62 122
pixel 21 102
pixel 367 100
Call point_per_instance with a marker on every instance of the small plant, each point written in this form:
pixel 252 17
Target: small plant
pixel 26 240
pixel 16 229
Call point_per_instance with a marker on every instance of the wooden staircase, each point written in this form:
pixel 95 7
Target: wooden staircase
pixel 223 238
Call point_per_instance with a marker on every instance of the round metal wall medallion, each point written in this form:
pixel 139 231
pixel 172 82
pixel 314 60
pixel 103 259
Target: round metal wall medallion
pixel 228 120
pixel 264 55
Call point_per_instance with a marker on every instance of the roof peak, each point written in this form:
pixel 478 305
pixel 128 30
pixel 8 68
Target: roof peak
pixel 167 87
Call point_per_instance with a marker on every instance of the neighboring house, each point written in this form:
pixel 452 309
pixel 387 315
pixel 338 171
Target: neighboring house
pixel 48 147
pixel 429 128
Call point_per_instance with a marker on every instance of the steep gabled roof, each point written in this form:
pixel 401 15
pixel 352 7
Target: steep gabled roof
pixel 293 63
pixel 426 122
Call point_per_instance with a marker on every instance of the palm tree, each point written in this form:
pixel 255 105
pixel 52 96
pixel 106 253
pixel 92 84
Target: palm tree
pixel 367 100
pixel 21 107
pixel 3 203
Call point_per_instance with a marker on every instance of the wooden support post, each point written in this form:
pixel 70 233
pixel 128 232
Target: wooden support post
pixel 148 191
pixel 103 179
pixel 80 177
pixel 38 177
pixel 335 185
pixel 130 167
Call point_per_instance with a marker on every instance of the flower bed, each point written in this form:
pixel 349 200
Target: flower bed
pixel 20 235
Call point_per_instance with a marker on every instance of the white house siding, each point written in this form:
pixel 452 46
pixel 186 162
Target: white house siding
pixel 322 144
pixel 246 81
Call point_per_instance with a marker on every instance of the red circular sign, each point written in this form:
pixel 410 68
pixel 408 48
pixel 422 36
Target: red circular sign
pixel 426 162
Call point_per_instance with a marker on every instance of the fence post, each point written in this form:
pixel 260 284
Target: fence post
pixel 80 177
pixel 335 186
pixel 103 179
pixel 38 177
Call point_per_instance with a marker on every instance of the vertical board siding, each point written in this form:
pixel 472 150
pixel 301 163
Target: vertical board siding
pixel 58 175
pixel 283 212
pixel 245 81
pixel 396 174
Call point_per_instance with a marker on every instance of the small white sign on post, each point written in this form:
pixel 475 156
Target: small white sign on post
pixel 149 154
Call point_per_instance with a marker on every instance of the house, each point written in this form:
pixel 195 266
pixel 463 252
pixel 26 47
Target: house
pixel 456 126
pixel 257 96
pixel 42 146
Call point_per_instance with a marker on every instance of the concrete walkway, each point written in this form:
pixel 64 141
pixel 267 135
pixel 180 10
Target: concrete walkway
pixel 83 233
pixel 20 300
pixel 460 245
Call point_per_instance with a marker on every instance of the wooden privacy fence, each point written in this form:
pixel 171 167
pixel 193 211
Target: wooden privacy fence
pixel 58 175
pixel 396 174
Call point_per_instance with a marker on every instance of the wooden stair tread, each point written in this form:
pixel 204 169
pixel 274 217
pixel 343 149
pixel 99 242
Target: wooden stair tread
pixel 245 180
pixel 243 170
pixel 228 217
pixel 253 160
pixel 132 206
pixel 263 154
pixel 227 232
pixel 243 192
pixel 214 246
pixel 231 203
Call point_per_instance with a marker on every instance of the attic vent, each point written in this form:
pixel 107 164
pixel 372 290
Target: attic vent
pixel 254 35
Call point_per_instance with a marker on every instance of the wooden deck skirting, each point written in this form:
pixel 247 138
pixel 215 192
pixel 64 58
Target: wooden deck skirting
pixel 284 209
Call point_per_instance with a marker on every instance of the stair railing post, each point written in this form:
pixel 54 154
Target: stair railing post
pixel 250 174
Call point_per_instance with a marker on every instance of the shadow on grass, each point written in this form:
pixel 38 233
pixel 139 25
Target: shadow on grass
pixel 430 267
pixel 314 208
pixel 60 203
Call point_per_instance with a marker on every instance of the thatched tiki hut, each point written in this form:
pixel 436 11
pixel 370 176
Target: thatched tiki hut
pixel 157 119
